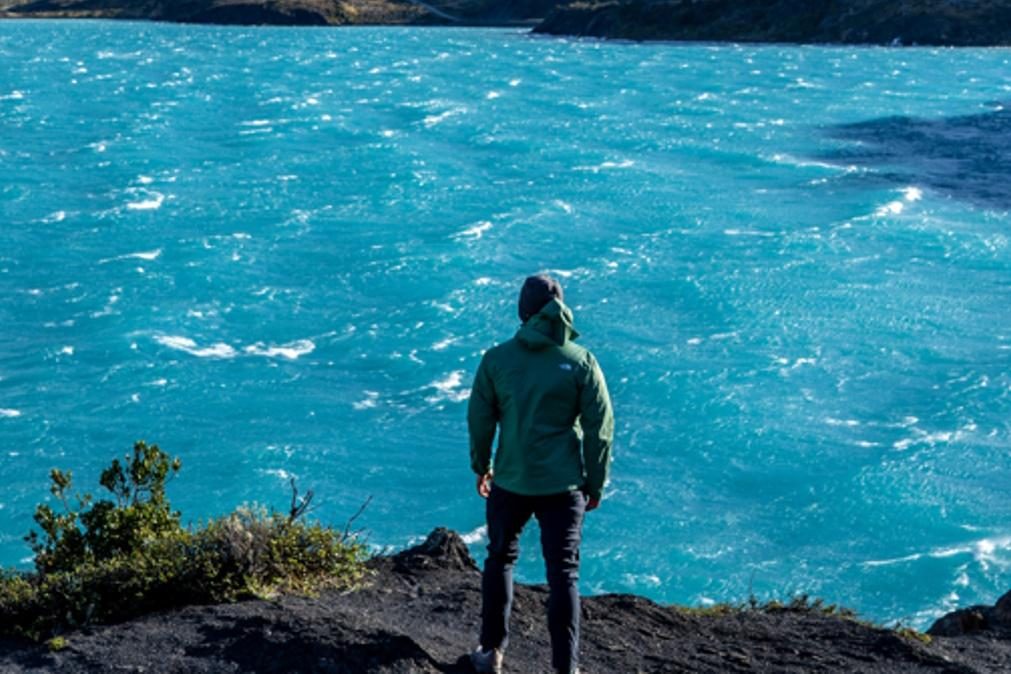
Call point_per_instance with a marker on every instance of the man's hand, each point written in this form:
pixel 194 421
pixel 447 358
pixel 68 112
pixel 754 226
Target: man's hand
pixel 484 484
pixel 592 504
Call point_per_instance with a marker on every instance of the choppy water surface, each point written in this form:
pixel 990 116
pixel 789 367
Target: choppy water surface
pixel 281 252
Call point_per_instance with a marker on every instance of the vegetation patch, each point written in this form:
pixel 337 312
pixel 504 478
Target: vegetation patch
pixel 108 560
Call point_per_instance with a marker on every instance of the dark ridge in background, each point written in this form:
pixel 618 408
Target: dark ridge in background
pixel 907 22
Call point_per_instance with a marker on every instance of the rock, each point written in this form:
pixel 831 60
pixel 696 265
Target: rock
pixel 1002 611
pixel 925 22
pixel 420 611
pixel 443 549
pixel 994 620
pixel 958 623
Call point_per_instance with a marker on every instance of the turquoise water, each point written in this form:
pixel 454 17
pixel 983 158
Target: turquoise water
pixel 281 252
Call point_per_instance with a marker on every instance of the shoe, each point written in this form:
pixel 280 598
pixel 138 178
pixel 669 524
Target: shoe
pixel 487 662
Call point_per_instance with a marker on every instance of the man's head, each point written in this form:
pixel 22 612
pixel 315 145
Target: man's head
pixel 538 291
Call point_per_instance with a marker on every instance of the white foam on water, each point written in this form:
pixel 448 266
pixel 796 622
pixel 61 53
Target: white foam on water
pixel 921 437
pixel 291 350
pixel 67 351
pixel 449 388
pixel 801 83
pixel 145 180
pixel 149 256
pixel 435 120
pixel 187 345
pixel 158 383
pixel 983 551
pixel 606 166
pixel 515 83
pixel 368 402
pixel 278 473
pixel 790 160
pixel 483 281
pixel 849 423
pixel 641 579
pixel 58 216
pixel 152 204
pixel 476 536
pixel 912 193
pixel 891 208
pixel 9 413
pixel 724 335
pixel 443 306
pixel 108 309
pixel 444 344
pixel 565 206
pixel 492 95
pixel 475 231
pixel 13 96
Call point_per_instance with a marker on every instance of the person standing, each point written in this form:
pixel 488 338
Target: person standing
pixel 548 400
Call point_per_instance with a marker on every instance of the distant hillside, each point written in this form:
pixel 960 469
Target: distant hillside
pixel 906 22
pixel 923 22
pixel 292 12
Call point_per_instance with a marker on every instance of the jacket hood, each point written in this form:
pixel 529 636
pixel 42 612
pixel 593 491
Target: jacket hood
pixel 551 326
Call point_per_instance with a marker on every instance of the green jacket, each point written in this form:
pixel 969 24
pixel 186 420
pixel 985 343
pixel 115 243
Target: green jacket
pixel 550 400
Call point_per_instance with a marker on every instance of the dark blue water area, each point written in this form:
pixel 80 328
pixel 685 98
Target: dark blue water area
pixel 280 253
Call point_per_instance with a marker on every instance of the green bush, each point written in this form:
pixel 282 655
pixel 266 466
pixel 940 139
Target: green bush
pixel 112 559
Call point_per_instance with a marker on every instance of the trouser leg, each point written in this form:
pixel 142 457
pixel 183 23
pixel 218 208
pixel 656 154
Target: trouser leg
pixel 561 520
pixel 507 513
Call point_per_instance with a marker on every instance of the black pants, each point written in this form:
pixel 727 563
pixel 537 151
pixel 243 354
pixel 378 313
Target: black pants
pixel 561 520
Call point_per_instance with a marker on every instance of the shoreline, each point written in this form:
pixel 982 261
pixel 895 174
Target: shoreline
pixel 932 24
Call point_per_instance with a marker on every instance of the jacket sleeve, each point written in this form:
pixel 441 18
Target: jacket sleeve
pixel 597 421
pixel 482 417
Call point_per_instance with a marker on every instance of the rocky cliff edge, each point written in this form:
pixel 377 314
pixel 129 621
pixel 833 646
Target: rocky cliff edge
pixel 419 613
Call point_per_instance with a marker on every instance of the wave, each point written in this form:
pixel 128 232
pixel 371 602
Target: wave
pixel 368 402
pixel 434 120
pixel 449 388
pixel 909 195
pixel 151 204
pixel 187 345
pixel 983 551
pixel 476 536
pixel 474 232
pixel 9 413
pixel 150 256
pixel 607 165
pixel 290 351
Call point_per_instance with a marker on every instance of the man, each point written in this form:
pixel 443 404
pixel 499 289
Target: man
pixel 549 399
